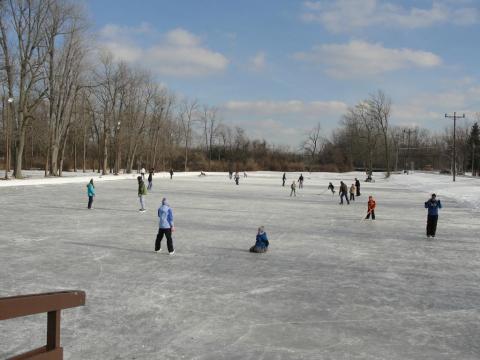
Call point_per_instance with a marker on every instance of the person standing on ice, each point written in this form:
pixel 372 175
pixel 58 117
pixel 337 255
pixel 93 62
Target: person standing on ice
pixel 150 179
pixel 90 193
pixel 284 178
pixel 343 193
pixel 331 188
pixel 230 174
pixel 352 192
pixel 293 188
pixel 261 241
pixel 300 181
pixel 142 191
pixel 245 174
pixel 142 172
pixel 171 174
pixel 237 178
pixel 433 205
pixel 357 186
pixel 372 204
pixel 166 227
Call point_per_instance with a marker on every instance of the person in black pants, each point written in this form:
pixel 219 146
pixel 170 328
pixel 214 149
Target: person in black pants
pixel 166 227
pixel 357 185
pixel 433 205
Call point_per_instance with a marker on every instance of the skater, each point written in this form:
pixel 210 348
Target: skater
pixel 237 178
pixel 357 185
pixel 202 174
pixel 432 205
pixel 284 178
pixel 142 173
pixel 343 192
pixel 245 174
pixel 150 179
pixel 171 174
pixel 230 174
pixel 90 193
pixel 294 189
pixel 371 208
pixel 331 188
pixel 261 242
pixel 142 191
pixel 166 227
pixel 352 192
pixel 300 181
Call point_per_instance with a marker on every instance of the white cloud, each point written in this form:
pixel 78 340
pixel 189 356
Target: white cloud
pixel 351 15
pixel 258 62
pixel 176 53
pixel 360 59
pixel 308 109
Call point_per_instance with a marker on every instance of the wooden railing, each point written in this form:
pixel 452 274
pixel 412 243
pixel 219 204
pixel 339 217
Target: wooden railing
pixel 50 303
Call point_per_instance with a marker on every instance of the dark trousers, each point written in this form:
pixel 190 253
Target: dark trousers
pixel 358 190
pixel 150 184
pixel 432 225
pixel 90 202
pixel 168 235
pixel 352 196
pixel 372 213
pixel 346 198
pixel 255 249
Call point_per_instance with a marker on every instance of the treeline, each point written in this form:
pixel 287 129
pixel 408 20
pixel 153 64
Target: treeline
pixel 68 106
pixel 365 140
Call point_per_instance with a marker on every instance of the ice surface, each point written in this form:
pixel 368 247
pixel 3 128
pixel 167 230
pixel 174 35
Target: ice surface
pixel 331 286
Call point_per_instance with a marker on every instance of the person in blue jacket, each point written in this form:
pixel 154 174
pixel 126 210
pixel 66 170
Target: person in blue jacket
pixel 166 227
pixel 90 193
pixel 432 205
pixel 261 243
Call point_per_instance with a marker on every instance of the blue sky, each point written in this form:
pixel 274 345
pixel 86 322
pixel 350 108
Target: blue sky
pixel 277 67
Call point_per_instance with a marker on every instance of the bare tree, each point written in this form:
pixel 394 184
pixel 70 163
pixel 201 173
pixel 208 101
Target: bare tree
pixel 313 143
pixel 187 115
pixel 380 108
pixel 210 127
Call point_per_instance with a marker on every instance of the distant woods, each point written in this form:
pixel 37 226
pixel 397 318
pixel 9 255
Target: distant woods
pixel 66 106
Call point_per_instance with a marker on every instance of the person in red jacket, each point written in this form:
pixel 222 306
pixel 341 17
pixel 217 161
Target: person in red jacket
pixel 371 208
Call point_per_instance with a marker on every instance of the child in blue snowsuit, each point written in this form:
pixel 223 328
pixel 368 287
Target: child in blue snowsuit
pixel 261 243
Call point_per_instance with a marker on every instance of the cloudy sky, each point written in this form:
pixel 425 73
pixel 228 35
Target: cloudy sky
pixel 277 67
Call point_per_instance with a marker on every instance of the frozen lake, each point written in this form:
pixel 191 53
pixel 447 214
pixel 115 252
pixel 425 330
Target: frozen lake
pixel 330 287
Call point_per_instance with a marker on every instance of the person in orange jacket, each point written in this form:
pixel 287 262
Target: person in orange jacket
pixel 371 208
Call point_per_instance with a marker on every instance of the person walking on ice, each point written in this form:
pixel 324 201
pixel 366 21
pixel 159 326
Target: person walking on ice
pixel 433 205
pixel 171 174
pixel 343 193
pixel 357 186
pixel 300 181
pixel 371 208
pixel 150 179
pixel 293 188
pixel 142 191
pixel 284 178
pixel 142 173
pixel 90 193
pixel 237 178
pixel 166 227
pixel 261 241
pixel 352 192
pixel 331 188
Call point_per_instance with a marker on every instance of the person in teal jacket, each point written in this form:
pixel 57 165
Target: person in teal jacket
pixel 90 193
pixel 261 243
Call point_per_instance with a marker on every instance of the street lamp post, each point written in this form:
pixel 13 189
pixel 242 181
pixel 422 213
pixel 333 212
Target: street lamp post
pixel 454 117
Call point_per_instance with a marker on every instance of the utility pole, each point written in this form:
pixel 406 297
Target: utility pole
pixel 454 117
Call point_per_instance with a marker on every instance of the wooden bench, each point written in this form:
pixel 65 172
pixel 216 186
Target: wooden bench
pixel 50 303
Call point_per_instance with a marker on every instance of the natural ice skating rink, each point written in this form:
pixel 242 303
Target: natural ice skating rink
pixel 331 286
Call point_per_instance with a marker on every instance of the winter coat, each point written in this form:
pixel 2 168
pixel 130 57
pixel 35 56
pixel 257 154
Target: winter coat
pixel 331 187
pixel 293 186
pixel 343 189
pixel 142 189
pixel 90 189
pixel 371 205
pixel 433 206
pixel 352 189
pixel 262 240
pixel 165 214
pixel 357 184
